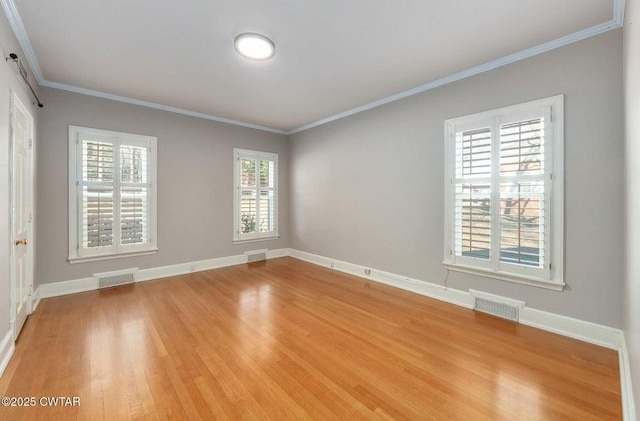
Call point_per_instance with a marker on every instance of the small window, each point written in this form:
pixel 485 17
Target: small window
pixel 112 194
pixel 503 193
pixel 255 195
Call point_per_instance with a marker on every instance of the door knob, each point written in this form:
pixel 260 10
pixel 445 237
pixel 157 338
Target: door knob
pixel 23 242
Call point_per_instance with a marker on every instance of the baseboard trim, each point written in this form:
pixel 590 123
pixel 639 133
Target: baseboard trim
pixel 35 300
pixel 594 333
pixel 628 403
pixel 56 289
pixel 7 347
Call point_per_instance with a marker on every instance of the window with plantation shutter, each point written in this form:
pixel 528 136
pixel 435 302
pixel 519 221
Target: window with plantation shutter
pixel 255 196
pixel 503 193
pixel 112 194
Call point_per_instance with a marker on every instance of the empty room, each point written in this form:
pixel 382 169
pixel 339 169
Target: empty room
pixel 360 210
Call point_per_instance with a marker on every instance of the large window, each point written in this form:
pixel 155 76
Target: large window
pixel 112 194
pixel 255 195
pixel 503 193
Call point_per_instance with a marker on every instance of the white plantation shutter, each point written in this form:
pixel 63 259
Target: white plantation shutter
pixel 113 210
pixel 255 205
pixel 503 207
pixel 522 186
pixel 473 193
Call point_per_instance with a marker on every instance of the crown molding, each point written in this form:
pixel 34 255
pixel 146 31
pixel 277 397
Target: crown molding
pixel 148 104
pixel 18 28
pixel 23 39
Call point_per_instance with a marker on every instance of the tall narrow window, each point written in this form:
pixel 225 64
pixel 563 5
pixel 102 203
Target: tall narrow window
pixel 503 194
pixel 256 198
pixel 112 194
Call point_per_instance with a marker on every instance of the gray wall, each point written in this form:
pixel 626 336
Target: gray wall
pixel 9 81
pixel 195 183
pixel 632 152
pixel 368 189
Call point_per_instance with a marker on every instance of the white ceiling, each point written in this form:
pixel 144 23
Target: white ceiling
pixel 331 55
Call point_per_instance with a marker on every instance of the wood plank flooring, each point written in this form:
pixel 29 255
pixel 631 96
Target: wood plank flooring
pixel 287 340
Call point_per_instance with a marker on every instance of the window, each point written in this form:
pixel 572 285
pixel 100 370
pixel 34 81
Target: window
pixel 255 196
pixel 503 193
pixel 112 194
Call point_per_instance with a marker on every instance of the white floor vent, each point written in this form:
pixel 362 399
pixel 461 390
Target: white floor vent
pixel 256 255
pixel 112 279
pixel 497 305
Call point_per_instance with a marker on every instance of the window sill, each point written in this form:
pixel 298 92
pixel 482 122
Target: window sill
pixel 504 276
pixel 254 240
pixel 110 256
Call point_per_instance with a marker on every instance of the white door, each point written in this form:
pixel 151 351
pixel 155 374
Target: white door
pixel 21 216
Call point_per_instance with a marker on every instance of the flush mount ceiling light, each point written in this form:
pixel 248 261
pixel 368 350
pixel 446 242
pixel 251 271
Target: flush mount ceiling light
pixel 254 46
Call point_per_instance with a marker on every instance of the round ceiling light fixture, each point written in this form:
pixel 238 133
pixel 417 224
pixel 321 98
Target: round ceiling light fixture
pixel 254 46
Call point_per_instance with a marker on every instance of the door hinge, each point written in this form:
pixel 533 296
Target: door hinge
pixel 30 143
pixel 549 266
pixel 30 218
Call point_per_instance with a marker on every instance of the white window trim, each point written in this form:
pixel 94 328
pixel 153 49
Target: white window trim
pixel 554 192
pixel 76 253
pixel 238 237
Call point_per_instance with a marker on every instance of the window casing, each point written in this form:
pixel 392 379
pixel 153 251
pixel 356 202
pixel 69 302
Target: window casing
pixel 504 193
pixel 112 194
pixel 255 195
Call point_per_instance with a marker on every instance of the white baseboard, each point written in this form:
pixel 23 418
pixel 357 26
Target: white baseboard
pixel 594 333
pixel 7 347
pixel 35 300
pixel 56 289
pixel 628 404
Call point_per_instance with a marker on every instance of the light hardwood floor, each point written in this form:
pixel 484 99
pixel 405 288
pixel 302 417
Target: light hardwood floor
pixel 287 340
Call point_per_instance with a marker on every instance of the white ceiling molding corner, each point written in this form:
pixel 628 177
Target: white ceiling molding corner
pixel 23 39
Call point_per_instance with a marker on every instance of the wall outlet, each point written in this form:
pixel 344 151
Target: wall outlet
pixel 367 271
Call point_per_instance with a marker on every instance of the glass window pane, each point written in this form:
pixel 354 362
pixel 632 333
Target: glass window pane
pixel 522 147
pixel 473 220
pixel 97 211
pixel 473 153
pixel 248 216
pixel 133 164
pixel 247 172
pixel 97 161
pixel 133 215
pixel 522 223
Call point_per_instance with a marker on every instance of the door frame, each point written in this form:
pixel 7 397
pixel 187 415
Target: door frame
pixel 16 104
